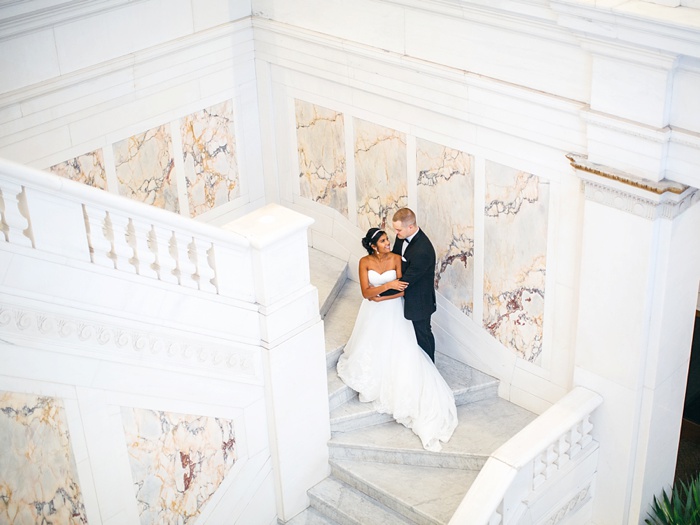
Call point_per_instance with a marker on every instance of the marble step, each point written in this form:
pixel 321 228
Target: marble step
pixel 348 506
pixel 309 517
pixel 423 495
pixel 348 412
pixel 328 274
pixel 340 320
pixel 483 427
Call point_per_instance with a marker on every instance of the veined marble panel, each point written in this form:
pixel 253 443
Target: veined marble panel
pixel 380 173
pixel 209 153
pixel 144 165
pixel 515 257
pixel 88 169
pixel 38 476
pixel 446 212
pixel 177 462
pixel 321 148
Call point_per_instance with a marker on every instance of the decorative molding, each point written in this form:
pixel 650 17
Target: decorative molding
pixel 12 26
pixel 645 198
pixel 122 341
pixel 571 506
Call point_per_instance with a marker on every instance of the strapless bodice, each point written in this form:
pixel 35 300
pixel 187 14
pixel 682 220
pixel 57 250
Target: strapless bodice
pixel 377 279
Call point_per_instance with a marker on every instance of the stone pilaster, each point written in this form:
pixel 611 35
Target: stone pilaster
pixel 638 288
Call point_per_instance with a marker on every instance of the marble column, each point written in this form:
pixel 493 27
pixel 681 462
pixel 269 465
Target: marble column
pixel 294 356
pixel 639 280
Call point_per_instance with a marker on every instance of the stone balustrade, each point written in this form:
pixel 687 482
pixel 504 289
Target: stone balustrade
pixel 541 475
pixel 68 219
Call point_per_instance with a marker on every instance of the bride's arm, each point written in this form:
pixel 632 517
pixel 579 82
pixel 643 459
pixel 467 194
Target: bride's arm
pixel 369 291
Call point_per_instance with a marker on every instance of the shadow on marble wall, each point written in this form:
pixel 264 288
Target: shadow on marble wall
pixel 38 474
pixel 514 251
pixel 146 167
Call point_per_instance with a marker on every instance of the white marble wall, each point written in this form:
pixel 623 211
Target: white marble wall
pixel 146 166
pixel 515 258
pixel 380 173
pixel 322 160
pixel 40 481
pixel 183 72
pixel 178 462
pixel 514 236
pixel 445 183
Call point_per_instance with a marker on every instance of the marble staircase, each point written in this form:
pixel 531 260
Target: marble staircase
pixel 380 473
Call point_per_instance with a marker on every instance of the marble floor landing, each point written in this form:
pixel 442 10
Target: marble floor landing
pixel 380 473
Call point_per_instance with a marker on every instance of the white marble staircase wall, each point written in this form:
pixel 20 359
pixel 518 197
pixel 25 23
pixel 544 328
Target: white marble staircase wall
pixel 155 397
pixel 522 102
pixel 424 101
pixel 82 83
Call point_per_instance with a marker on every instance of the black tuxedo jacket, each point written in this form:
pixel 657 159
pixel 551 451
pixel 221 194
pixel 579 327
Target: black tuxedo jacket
pixel 418 271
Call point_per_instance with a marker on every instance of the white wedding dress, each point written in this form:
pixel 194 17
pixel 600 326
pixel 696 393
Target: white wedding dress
pixel 384 364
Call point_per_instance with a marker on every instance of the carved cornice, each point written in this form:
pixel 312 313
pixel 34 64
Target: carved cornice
pixel 642 197
pixel 111 341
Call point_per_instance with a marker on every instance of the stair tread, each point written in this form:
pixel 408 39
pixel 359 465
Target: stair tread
pixel 325 272
pixel 483 427
pixel 348 505
pixel 422 494
pixel 310 516
pixel 340 319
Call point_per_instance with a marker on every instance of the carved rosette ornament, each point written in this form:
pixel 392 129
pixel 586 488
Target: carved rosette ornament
pixel 664 199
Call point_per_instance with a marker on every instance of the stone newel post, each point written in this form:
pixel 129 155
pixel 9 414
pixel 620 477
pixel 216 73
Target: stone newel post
pixel 294 352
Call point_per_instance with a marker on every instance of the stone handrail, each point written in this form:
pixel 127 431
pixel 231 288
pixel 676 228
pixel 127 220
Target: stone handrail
pixel 68 219
pixel 537 454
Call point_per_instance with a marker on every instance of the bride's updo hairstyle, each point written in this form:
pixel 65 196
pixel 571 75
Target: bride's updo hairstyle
pixel 373 235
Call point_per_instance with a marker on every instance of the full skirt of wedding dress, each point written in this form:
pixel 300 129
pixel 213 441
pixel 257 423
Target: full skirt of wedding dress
pixel 384 364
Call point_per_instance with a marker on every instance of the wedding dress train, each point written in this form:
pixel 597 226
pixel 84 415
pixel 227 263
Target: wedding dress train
pixel 384 364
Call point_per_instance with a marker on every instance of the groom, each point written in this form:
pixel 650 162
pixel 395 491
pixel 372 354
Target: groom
pixel 418 269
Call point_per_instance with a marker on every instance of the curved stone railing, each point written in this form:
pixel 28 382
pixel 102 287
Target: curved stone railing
pixel 71 220
pixel 542 474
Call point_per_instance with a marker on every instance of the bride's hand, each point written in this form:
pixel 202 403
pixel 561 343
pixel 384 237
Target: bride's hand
pixel 397 285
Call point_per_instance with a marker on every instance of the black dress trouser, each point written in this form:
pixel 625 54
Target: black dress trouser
pixel 424 335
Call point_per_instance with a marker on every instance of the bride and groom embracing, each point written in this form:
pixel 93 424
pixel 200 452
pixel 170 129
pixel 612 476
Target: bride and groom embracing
pixel 389 358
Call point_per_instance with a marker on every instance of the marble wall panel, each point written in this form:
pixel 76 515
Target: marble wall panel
pixel 177 462
pixel 380 173
pixel 38 476
pixel 209 153
pixel 515 253
pixel 321 150
pixel 445 211
pixel 144 165
pixel 88 169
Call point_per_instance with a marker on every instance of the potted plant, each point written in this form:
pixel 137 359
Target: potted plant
pixel 681 507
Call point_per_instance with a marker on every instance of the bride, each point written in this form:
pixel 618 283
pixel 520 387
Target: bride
pixel 382 360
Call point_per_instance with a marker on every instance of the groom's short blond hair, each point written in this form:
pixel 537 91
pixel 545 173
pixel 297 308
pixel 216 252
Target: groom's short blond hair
pixel 405 216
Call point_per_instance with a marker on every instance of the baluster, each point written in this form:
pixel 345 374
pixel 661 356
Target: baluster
pixel 586 428
pixel 211 261
pixel 187 271
pixel 551 461
pixel 204 268
pixel 100 236
pixel 141 232
pixel 538 470
pixel 16 223
pixel 563 449
pixel 575 440
pixel 166 257
pixel 123 248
